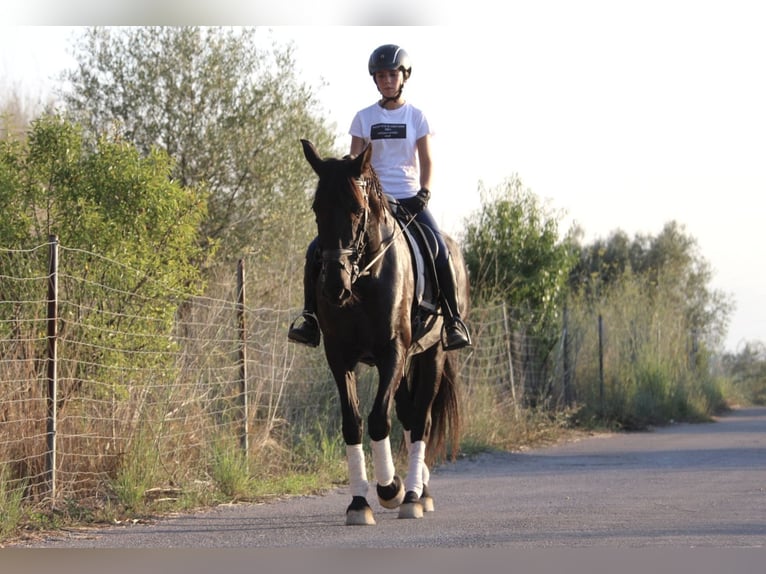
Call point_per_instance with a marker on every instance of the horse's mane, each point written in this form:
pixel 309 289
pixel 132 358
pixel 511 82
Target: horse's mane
pixel 377 200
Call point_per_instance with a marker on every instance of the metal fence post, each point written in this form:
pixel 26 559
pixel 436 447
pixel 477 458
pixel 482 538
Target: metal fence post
pixel 52 367
pixel 508 341
pixel 244 438
pixel 601 363
pixel 569 394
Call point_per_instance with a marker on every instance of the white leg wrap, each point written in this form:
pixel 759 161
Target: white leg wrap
pixel 382 461
pixel 357 471
pixel 408 442
pixel 414 481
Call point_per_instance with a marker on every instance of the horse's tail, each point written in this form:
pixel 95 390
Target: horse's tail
pixel 445 414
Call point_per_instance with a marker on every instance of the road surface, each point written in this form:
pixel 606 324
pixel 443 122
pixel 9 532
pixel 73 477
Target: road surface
pixel 683 486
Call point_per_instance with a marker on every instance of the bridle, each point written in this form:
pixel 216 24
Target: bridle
pixel 349 257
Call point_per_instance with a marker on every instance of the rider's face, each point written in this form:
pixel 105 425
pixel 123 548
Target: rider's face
pixel 389 81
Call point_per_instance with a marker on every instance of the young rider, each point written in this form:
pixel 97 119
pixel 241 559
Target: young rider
pixel 401 156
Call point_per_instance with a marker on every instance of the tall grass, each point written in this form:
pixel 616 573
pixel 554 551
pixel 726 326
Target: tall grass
pixel 654 372
pixel 11 502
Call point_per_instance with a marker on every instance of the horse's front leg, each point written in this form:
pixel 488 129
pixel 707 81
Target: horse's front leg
pixel 359 511
pixel 390 488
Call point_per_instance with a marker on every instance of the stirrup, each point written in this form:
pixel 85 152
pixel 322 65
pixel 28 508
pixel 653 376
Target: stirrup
pixel 461 337
pixel 307 333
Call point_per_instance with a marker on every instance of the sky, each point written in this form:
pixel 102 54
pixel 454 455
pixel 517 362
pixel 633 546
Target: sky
pixel 617 115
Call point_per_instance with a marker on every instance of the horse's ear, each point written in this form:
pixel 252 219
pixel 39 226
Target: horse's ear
pixel 312 155
pixel 362 161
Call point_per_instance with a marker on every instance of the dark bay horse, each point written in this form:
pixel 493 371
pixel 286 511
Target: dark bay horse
pixel 366 305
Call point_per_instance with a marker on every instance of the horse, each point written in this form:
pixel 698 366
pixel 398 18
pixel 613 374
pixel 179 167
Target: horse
pixel 367 310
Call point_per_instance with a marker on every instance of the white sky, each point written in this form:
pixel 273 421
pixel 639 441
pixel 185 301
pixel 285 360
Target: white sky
pixel 618 117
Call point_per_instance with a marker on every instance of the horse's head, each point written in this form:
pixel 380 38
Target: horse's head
pixel 342 208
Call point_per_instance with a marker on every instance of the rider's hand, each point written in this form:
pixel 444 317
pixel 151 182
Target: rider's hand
pixel 421 199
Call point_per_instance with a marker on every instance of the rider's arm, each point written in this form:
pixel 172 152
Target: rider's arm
pixel 357 145
pixel 424 156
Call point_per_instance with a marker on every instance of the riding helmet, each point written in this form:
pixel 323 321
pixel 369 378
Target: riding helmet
pixel 390 57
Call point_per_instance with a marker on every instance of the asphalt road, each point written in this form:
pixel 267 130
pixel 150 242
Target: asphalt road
pixel 683 486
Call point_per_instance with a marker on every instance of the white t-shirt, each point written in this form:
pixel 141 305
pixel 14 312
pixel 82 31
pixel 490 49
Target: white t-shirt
pixel 394 135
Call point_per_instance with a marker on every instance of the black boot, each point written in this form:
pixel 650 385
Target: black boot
pixel 455 334
pixel 307 333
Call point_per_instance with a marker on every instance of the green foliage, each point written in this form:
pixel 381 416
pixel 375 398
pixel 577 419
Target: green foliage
pixel 652 371
pixel 514 253
pixel 136 474
pixel 11 498
pixel 230 114
pixel 321 448
pixel 230 470
pixel 747 373
pixel 112 201
pixel 107 199
pixel 662 323
pixel 669 263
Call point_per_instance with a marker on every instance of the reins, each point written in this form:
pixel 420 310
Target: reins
pixel 388 242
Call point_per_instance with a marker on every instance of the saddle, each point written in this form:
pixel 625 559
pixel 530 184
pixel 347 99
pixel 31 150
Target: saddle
pixel 423 249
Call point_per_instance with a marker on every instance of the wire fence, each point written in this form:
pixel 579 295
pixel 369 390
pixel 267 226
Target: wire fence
pixel 92 367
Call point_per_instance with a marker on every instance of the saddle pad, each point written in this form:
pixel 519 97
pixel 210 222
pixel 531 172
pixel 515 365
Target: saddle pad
pixel 422 244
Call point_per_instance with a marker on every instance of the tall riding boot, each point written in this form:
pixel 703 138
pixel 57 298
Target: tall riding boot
pixel 307 332
pixel 455 334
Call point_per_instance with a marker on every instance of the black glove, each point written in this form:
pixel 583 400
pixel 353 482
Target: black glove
pixel 422 198
pixel 416 203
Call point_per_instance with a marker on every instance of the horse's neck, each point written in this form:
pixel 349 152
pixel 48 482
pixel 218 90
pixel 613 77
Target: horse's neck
pixel 381 232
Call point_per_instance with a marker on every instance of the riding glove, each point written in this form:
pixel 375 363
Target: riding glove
pixel 416 203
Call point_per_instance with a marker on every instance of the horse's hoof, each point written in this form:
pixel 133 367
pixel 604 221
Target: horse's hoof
pixel 427 500
pixel 411 507
pixel 392 495
pixel 359 513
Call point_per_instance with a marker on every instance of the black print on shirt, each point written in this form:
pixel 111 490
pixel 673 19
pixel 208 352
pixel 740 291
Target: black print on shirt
pixel 388 132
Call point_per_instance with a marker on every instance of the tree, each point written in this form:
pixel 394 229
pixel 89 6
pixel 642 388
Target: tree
pixel 130 235
pixel 670 262
pixel 747 370
pixel 230 115
pixel 514 253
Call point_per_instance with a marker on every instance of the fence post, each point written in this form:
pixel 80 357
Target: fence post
pixel 601 363
pixel 244 437
pixel 507 328
pixel 52 367
pixel 569 395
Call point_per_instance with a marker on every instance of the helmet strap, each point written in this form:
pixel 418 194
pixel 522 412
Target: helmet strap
pixel 384 100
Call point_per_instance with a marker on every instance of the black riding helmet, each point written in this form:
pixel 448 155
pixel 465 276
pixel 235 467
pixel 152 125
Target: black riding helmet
pixel 390 57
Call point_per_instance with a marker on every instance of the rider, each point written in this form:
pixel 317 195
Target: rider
pixel 401 157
